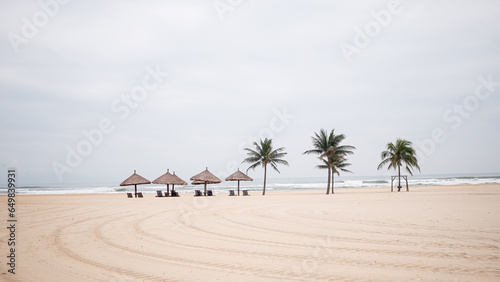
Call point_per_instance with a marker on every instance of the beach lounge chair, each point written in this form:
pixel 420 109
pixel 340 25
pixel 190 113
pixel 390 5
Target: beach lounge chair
pixel 140 195
pixel 129 195
pixel 166 194
pixel 231 193
pixel 175 193
pixel 210 193
pixel 245 193
pixel 197 193
pixel 159 194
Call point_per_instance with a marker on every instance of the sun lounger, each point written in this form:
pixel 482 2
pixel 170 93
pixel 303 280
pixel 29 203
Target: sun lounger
pixel 245 193
pixel 166 194
pixel 129 195
pixel 159 194
pixel 210 193
pixel 231 193
pixel 197 193
pixel 175 193
pixel 140 195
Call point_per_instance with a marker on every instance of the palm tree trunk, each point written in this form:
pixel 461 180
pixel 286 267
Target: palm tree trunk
pixel 265 173
pixel 333 183
pixel 399 176
pixel 329 176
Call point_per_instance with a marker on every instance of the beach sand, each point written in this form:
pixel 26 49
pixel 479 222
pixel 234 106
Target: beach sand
pixel 430 233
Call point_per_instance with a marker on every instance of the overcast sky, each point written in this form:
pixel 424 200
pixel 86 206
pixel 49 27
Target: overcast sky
pixel 187 84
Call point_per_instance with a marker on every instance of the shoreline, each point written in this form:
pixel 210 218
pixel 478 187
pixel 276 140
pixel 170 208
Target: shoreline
pixel 430 233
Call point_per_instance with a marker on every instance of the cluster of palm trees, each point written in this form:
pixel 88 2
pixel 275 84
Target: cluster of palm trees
pixel 332 154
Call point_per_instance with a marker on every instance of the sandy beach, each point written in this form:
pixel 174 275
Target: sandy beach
pixel 430 233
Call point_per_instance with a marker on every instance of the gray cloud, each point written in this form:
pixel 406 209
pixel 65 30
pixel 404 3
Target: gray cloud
pixel 227 78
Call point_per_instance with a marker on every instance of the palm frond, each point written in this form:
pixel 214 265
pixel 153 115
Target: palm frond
pixel 331 152
pixel 399 153
pixel 273 165
pixel 263 154
pixel 253 166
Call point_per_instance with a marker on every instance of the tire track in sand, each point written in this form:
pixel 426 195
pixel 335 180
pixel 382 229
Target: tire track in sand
pixel 447 269
pixel 223 267
pixel 118 271
pixel 432 243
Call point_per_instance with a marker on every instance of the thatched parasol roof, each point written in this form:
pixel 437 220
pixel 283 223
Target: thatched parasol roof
pixel 238 176
pixel 179 180
pixel 206 177
pixel 169 178
pixel 135 179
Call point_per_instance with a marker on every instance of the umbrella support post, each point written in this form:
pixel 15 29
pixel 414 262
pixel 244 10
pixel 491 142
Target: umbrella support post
pixel 239 176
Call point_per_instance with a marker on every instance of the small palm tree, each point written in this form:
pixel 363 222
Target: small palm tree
pixel 264 155
pixel 336 165
pixel 327 145
pixel 398 154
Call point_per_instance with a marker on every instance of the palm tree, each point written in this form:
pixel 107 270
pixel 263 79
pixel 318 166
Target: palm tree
pixel 397 154
pixel 264 155
pixel 327 145
pixel 336 165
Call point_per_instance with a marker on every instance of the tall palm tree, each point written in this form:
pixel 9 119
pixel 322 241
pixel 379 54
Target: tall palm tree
pixel 398 154
pixel 336 165
pixel 264 155
pixel 327 146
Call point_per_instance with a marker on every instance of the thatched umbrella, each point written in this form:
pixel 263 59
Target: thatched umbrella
pixel 238 176
pixel 205 177
pixel 135 179
pixel 169 179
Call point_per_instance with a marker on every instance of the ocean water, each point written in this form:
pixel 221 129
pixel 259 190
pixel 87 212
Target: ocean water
pixel 273 184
